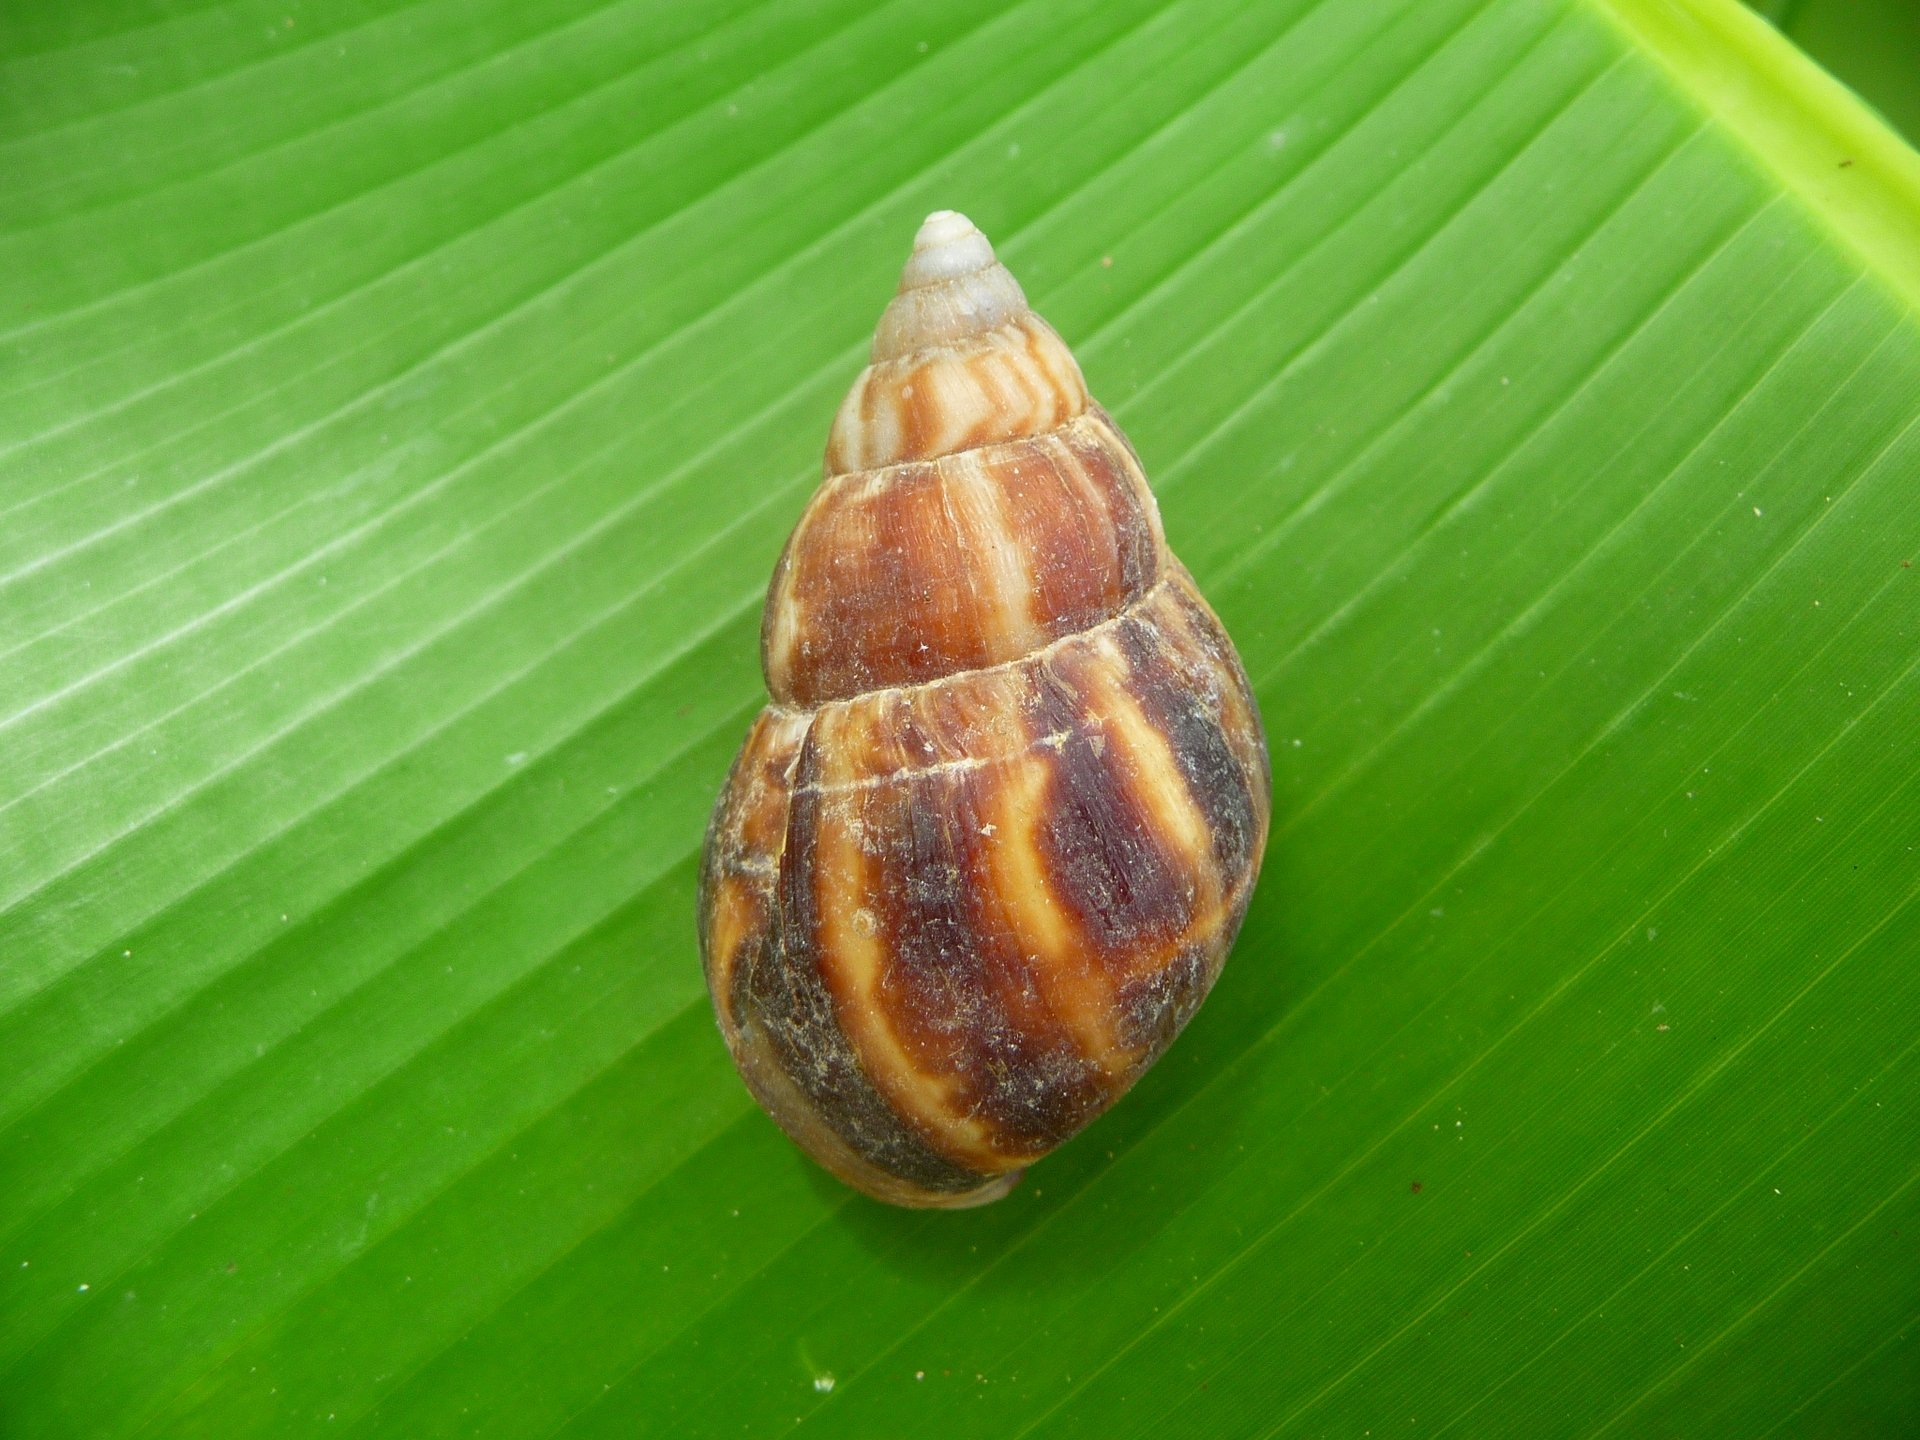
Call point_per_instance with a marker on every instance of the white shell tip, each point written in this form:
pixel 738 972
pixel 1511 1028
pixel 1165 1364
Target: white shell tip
pixel 943 227
pixel 947 246
pixel 952 288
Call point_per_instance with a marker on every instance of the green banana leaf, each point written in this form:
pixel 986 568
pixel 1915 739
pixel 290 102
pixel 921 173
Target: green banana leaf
pixel 402 403
pixel 1872 45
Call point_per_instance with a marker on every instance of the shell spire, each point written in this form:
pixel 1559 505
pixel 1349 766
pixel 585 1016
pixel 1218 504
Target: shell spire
pixel 976 503
pixel 985 853
pixel 959 361
pixel 951 288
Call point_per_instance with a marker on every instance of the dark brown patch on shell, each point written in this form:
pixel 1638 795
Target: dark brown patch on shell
pixel 1180 698
pixel 789 999
pixel 1128 895
pixel 959 991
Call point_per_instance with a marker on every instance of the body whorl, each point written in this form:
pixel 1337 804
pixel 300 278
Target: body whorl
pixel 984 854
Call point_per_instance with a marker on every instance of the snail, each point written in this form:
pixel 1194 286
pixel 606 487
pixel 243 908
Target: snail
pixel 984 854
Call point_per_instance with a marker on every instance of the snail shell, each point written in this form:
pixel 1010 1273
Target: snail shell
pixel 983 855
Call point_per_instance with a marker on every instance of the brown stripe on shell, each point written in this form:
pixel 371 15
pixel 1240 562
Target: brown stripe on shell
pixel 1108 458
pixel 1000 557
pixel 1015 380
pixel 1085 521
pixel 995 714
pixel 1056 362
pixel 790 1000
pixel 834 895
pixel 1213 665
pixel 958 991
pixel 1188 683
pixel 1015 898
pixel 1154 1006
pixel 978 1008
pixel 1183 685
pixel 1133 894
pixel 741 857
pixel 909 574
pixel 1020 385
pixel 931 986
pixel 769 1017
pixel 872 591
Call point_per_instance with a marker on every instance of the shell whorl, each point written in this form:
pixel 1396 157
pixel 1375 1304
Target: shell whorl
pixel 958 361
pixel 984 856
pixel 976 504
pixel 953 288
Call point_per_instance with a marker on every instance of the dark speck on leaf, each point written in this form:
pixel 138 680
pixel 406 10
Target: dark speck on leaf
pixel 1415 1187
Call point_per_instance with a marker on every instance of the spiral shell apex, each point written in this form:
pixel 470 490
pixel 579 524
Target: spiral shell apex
pixel 984 854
